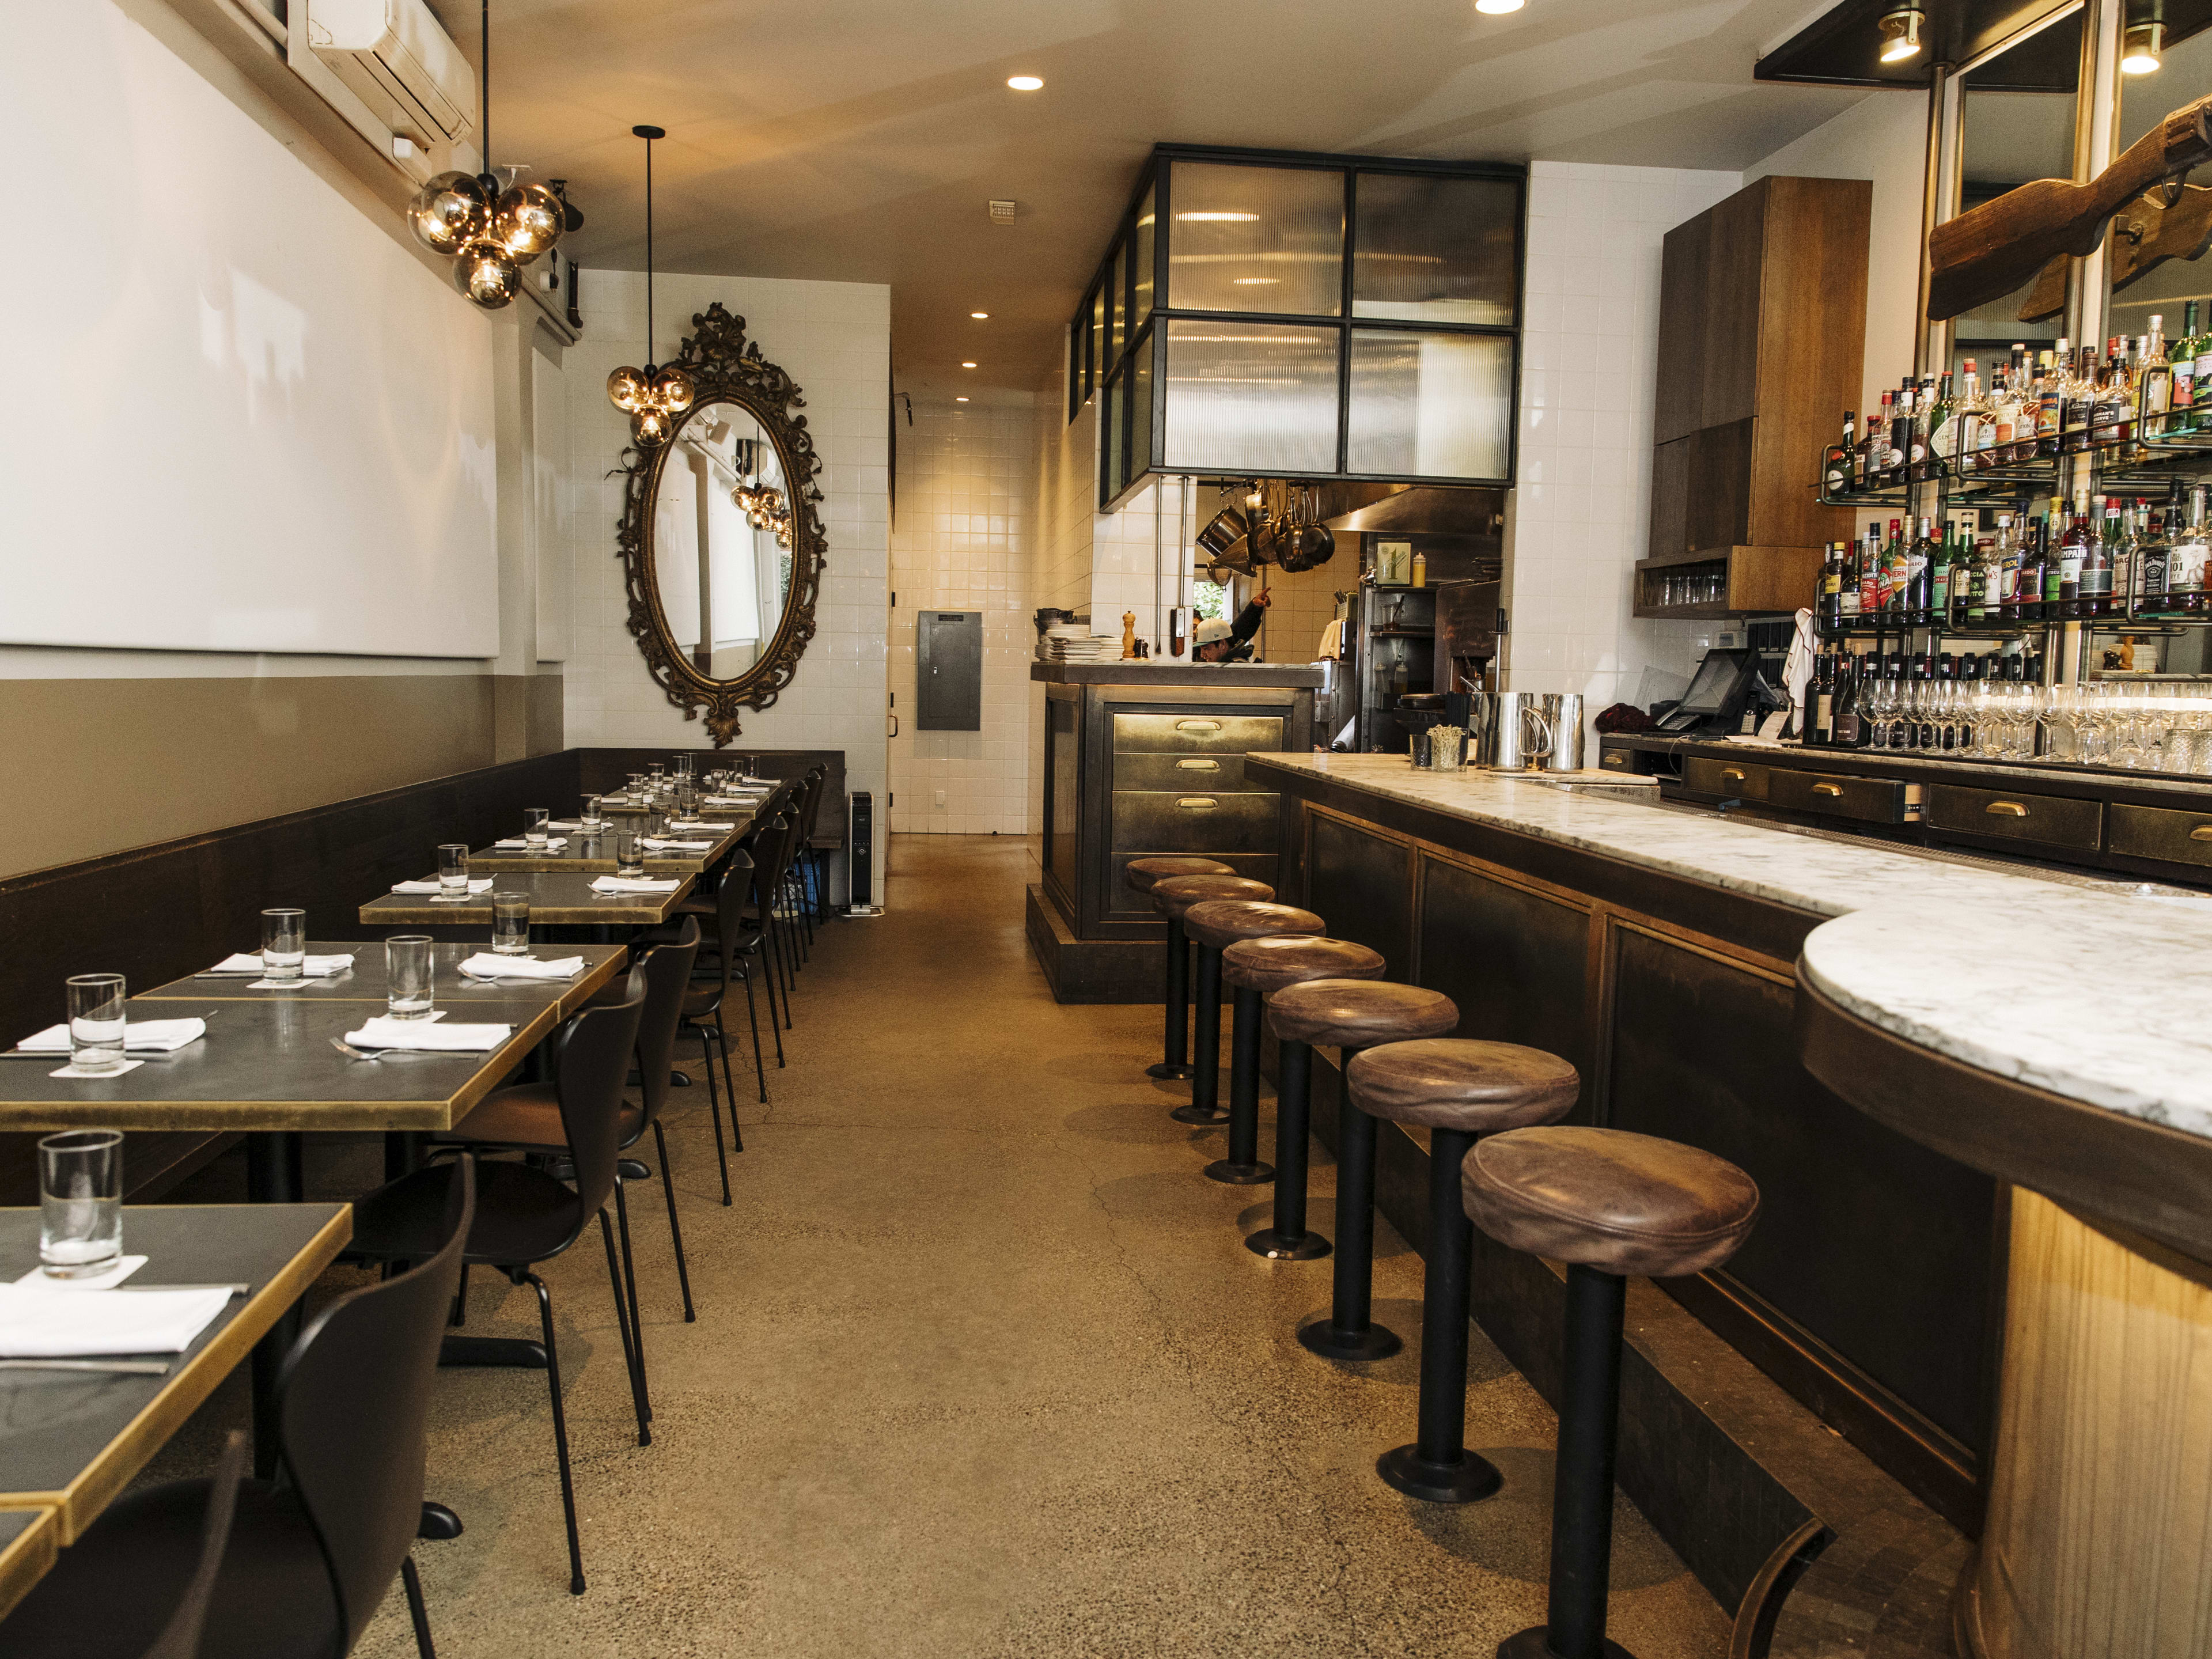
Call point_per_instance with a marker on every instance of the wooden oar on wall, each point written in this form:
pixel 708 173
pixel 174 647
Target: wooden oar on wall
pixel 2149 233
pixel 1993 249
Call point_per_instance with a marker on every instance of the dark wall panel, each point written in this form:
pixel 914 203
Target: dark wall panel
pixel 1362 886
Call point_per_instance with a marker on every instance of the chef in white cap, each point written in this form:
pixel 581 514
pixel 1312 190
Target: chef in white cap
pixel 1216 641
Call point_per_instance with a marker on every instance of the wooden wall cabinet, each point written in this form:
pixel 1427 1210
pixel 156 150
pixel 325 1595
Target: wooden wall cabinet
pixel 1762 334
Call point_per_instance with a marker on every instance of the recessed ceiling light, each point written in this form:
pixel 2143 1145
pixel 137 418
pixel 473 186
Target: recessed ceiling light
pixel 979 315
pixel 1256 282
pixel 1217 218
pixel 966 365
pixel 1024 82
pixel 2144 43
pixel 959 400
pixel 1900 35
pixel 1495 7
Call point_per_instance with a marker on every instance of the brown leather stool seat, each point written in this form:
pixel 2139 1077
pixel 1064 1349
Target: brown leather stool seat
pixel 1173 895
pixel 1354 1013
pixel 1457 1088
pixel 1142 875
pixel 1217 925
pixel 1259 966
pixel 1607 1203
pixel 1220 923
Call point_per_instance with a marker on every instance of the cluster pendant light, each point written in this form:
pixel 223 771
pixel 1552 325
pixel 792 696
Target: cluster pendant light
pixel 489 233
pixel 653 399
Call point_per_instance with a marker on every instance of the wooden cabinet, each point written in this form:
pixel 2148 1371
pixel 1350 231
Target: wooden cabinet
pixel 1762 331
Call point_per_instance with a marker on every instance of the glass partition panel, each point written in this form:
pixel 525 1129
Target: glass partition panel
pixel 1250 397
pixel 1140 404
pixel 1117 303
pixel 1099 362
pixel 1435 250
pixel 2158 264
pixel 1255 238
pixel 1140 241
pixel 1114 459
pixel 1431 405
pixel 2010 137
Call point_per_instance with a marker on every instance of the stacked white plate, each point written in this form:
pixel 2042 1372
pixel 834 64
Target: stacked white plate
pixel 1069 645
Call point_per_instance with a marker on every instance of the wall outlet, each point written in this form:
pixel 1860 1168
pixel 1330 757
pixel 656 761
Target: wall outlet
pixel 940 797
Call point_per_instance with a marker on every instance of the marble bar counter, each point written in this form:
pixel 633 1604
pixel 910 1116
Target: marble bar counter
pixel 1977 1098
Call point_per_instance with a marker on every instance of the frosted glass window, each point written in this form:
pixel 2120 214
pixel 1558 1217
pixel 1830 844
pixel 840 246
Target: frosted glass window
pixel 1431 405
pixel 1117 303
pixel 1141 405
pixel 1434 250
pixel 1141 241
pixel 1255 238
pixel 1250 397
pixel 1099 361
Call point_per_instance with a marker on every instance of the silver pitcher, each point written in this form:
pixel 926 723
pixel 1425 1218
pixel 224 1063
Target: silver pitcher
pixel 1524 730
pixel 1562 714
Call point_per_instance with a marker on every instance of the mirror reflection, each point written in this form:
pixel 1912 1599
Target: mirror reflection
pixel 722 540
pixel 2157 250
pixel 2010 137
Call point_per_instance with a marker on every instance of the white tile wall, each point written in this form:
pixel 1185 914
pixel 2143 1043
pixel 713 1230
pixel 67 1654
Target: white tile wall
pixel 834 338
pixel 1579 521
pixel 963 540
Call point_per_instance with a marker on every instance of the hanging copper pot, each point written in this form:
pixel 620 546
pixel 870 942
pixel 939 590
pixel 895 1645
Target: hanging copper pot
pixel 1223 530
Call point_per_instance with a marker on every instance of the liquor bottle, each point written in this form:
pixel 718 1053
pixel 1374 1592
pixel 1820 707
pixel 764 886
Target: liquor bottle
pixel 1970 419
pixel 2101 562
pixel 1895 567
pixel 1942 421
pixel 1900 432
pixel 2155 395
pixel 2077 396
pixel 2200 346
pixel 1924 733
pixel 1847 599
pixel 2185 565
pixel 1900 715
pixel 2153 559
pixel 1830 615
pixel 1919 579
pixel 1965 586
pixel 1849 729
pixel 1842 458
pixel 1921 403
pixel 1821 695
pixel 2111 420
pixel 1969 701
pixel 2049 399
pixel 2064 598
pixel 1871 594
pixel 2000 566
pixel 2024 601
pixel 1876 443
pixel 1946 704
pixel 1939 579
pixel 2182 400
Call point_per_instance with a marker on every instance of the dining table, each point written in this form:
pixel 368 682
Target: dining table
pixel 71 1441
pixel 584 852
pixel 557 899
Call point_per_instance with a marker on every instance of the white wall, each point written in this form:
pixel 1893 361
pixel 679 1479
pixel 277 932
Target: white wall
pixel 834 339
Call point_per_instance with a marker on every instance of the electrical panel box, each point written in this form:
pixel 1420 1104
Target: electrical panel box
pixel 948 671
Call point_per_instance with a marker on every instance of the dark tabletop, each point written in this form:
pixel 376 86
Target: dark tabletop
pixel 28 1545
pixel 556 900
pixel 72 1443
pixel 366 981
pixel 585 854
pixel 268 1064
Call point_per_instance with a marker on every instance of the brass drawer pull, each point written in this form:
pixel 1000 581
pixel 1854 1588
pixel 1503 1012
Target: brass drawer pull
pixel 1198 803
pixel 1198 766
pixel 1828 789
pixel 1198 726
pixel 2201 832
pixel 2005 809
pixel 1732 775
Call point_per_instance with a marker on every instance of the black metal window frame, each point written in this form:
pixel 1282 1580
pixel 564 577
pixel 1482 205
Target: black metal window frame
pixel 1087 377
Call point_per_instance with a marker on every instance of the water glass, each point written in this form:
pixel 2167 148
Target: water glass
pixel 687 800
pixel 284 943
pixel 656 771
pixel 80 1202
pixel 593 815
pixel 637 786
pixel 408 971
pixel 629 853
pixel 533 826
pixel 683 765
pixel 453 871
pixel 510 924
pixel 95 1022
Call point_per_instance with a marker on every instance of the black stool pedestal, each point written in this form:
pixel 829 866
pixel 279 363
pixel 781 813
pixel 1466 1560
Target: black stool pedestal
pixel 1175 1064
pixel 1349 1331
pixel 1204 1107
pixel 1242 1168
pixel 1438 1467
pixel 1287 1240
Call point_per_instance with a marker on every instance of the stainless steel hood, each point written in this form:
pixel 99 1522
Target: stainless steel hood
pixel 1412 509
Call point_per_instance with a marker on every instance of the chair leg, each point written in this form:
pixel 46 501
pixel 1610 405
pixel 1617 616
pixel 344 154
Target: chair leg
pixel 676 1227
pixel 561 1429
pixel 715 1115
pixel 729 1083
pixel 775 1022
pixel 752 1017
pixel 633 1331
pixel 460 1300
pixel 416 1611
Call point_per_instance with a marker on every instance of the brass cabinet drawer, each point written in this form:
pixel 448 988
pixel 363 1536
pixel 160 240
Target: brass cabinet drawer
pixel 1729 780
pixel 1868 800
pixel 2056 820
pixel 1195 821
pixel 1187 734
pixel 1191 773
pixel 2156 832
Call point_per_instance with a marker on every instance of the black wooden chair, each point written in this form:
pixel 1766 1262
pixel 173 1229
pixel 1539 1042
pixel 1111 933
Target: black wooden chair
pixel 301 1562
pixel 705 1004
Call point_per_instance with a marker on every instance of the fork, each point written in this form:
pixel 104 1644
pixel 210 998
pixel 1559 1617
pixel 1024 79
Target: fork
pixel 352 1053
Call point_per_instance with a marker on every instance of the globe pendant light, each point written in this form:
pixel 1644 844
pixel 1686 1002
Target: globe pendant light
pixel 653 399
pixel 489 233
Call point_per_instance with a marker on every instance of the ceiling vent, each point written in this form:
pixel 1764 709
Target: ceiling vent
pixel 1002 213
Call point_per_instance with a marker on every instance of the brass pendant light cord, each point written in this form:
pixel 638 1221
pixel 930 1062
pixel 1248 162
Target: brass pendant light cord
pixel 648 251
pixel 484 94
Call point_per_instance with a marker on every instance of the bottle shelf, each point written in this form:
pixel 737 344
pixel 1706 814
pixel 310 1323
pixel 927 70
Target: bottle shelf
pixel 2149 461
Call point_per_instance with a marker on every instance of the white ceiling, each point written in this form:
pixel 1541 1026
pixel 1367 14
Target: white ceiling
pixel 860 140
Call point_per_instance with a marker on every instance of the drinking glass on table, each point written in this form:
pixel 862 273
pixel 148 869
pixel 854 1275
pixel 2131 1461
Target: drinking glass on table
pixel 687 799
pixel 407 970
pixel 453 871
pixel 683 765
pixel 629 853
pixel 593 815
pixel 510 924
pixel 533 825
pixel 95 1022
pixel 637 786
pixel 284 943
pixel 80 1202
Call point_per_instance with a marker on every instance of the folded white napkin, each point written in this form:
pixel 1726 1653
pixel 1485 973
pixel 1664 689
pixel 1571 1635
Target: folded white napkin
pixel 566 823
pixel 476 886
pixel 517 843
pixel 144 1037
pixel 40 1323
pixel 386 1033
pixel 115 1273
pixel 696 824
pixel 486 965
pixel 659 844
pixel 249 961
pixel 633 884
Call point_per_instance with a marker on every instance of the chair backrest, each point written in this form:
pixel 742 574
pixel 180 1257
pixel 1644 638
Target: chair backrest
pixel 180 1638
pixel 591 1055
pixel 810 809
pixel 353 1404
pixel 667 977
pixel 774 854
pixel 730 908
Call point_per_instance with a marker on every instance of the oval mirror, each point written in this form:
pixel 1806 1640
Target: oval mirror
pixel 720 540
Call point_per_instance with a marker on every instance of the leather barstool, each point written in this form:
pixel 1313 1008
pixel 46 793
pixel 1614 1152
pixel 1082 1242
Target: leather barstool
pixel 1350 1015
pixel 1172 895
pixel 1266 966
pixel 1608 1204
pixel 1142 876
pixel 1456 1088
pixel 1216 926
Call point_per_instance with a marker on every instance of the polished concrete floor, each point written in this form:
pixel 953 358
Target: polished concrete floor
pixel 982 1368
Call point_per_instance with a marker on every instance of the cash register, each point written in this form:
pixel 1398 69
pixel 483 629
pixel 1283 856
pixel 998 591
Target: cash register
pixel 1727 685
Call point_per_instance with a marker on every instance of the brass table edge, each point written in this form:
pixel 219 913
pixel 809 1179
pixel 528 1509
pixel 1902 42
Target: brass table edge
pixel 27 1557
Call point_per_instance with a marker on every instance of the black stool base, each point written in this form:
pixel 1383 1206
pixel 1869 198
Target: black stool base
pixel 1467 1481
pixel 1239 1175
pixel 1277 1246
pixel 1171 1073
pixel 1373 1343
pixel 1206 1116
pixel 1535 1643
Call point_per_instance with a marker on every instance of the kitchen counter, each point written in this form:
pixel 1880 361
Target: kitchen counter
pixel 1153 671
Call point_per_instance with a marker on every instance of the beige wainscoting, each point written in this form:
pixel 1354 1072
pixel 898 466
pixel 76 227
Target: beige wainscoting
pixel 2099 1540
pixel 94 766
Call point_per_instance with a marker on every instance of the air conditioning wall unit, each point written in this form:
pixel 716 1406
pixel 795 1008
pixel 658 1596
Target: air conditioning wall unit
pixel 393 56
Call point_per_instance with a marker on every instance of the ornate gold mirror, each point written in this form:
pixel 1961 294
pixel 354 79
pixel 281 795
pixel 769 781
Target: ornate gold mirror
pixel 720 542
